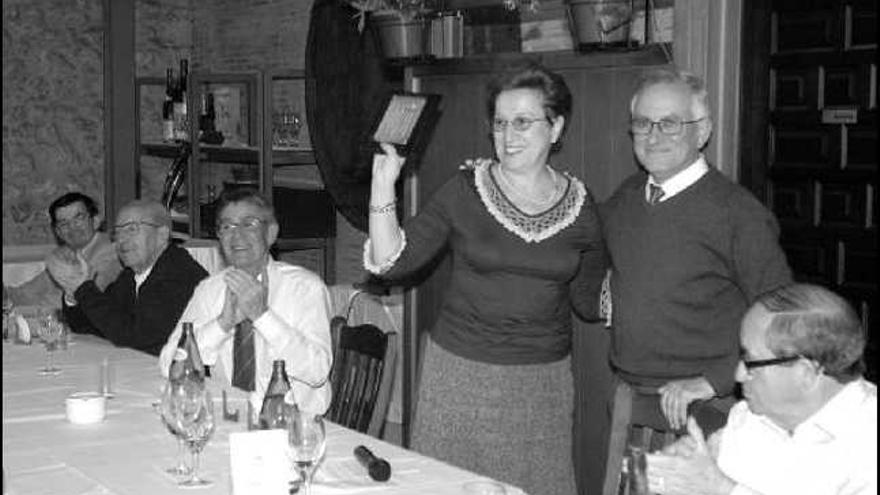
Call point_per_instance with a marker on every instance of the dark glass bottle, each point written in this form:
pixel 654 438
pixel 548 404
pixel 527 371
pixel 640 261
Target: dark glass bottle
pixel 273 413
pixel 180 110
pixel 168 106
pixel 187 363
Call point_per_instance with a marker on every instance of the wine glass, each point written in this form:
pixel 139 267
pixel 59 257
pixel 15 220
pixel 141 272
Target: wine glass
pixel 197 425
pixel 50 329
pixel 167 408
pixel 307 440
pixel 8 305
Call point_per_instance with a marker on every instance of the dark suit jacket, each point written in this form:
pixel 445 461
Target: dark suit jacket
pixel 144 320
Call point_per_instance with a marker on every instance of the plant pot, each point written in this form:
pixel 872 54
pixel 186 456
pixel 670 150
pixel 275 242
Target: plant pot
pixel 400 37
pixel 600 24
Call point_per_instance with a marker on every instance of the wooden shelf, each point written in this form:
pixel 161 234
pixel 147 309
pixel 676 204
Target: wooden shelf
pixel 281 157
pixel 655 54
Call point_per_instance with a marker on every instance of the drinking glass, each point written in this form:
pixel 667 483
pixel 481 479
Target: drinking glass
pixel 197 424
pixel 168 408
pixel 7 315
pixel 307 440
pixel 50 329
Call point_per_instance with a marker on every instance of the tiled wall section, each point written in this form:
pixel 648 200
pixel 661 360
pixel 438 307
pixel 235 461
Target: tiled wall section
pixel 52 110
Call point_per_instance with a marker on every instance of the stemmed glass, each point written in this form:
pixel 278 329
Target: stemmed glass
pixel 307 440
pixel 197 425
pixel 168 408
pixel 50 329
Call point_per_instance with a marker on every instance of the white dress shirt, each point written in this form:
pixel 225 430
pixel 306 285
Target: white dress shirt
pixel 680 181
pixel 832 452
pixel 296 328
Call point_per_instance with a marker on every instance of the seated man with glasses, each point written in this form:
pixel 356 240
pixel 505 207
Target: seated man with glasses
pixel 690 250
pixel 140 308
pixel 75 222
pixel 808 421
pixel 258 310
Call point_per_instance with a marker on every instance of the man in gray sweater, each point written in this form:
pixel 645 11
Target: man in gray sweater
pixel 690 252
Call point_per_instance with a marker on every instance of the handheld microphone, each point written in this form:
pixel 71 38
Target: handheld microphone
pixel 378 468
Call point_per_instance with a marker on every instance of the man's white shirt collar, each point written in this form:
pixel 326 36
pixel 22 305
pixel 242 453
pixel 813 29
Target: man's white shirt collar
pixel 680 181
pixel 139 278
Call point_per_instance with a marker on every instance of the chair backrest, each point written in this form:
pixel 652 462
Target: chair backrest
pixel 362 378
pixel 623 433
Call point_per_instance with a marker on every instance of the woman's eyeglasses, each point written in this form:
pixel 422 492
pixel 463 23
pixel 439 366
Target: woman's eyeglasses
pixel 519 124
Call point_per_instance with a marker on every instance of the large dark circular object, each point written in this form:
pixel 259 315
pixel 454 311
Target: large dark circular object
pixel 345 82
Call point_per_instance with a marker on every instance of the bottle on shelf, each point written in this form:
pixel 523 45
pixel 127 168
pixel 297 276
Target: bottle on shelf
pixel 207 120
pixel 168 106
pixel 180 111
pixel 275 410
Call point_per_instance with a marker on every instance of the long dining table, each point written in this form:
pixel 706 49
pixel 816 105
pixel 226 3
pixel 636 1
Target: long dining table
pixel 127 453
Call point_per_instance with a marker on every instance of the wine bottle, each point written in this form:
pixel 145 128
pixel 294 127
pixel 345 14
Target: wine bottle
pixel 180 110
pixel 187 363
pixel 272 413
pixel 168 107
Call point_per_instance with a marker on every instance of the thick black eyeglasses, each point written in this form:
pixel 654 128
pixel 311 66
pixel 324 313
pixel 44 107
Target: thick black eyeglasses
pixel 760 363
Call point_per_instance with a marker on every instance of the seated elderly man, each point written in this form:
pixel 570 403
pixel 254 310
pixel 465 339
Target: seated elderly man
pixel 75 221
pixel 140 308
pixel 258 310
pixel 808 424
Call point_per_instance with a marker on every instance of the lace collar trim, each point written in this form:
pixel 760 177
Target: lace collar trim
pixel 530 228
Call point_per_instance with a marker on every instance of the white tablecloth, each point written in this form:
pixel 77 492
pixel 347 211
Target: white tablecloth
pixel 125 455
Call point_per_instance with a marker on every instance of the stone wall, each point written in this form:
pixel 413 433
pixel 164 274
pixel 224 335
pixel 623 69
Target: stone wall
pixel 53 138
pixel 52 94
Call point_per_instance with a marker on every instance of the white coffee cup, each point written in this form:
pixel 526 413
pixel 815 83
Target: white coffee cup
pixel 85 408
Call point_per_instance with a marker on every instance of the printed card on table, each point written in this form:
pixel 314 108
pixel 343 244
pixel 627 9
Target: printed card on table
pixel 259 462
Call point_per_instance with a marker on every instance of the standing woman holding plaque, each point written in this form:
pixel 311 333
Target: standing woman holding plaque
pixel 496 392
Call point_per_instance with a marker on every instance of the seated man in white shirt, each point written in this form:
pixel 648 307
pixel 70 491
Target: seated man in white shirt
pixel 258 310
pixel 808 424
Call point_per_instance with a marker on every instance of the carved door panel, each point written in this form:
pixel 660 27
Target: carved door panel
pixel 821 138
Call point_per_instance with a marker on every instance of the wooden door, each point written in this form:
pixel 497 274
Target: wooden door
pixel 810 139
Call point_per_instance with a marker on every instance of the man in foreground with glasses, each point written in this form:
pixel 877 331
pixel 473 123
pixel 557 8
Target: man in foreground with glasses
pixel 808 421
pixel 140 308
pixel 75 222
pixel 258 310
pixel 690 251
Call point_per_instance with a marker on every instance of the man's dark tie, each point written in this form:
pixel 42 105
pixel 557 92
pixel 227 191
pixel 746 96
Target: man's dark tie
pixel 243 369
pixel 655 193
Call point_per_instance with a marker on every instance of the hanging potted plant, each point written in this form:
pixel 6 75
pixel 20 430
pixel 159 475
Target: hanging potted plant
pixel 401 25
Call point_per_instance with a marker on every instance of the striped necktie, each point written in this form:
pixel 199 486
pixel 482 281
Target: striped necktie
pixel 243 357
pixel 655 194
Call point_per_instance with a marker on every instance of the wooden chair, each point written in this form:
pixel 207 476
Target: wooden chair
pixel 362 377
pixel 625 431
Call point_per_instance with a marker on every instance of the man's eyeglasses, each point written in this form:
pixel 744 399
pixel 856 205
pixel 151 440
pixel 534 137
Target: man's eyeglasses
pixel 519 124
pixel 641 126
pixel 760 363
pixel 79 219
pixel 131 228
pixel 249 224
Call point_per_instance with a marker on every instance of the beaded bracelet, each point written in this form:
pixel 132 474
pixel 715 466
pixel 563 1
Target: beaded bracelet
pixel 386 208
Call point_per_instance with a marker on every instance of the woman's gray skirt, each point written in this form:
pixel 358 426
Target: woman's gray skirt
pixel 509 422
